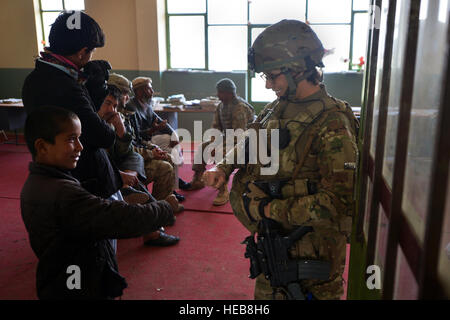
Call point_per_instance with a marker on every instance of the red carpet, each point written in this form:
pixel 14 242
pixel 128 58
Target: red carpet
pixel 207 264
pixel 13 171
pixel 17 260
pixel 200 200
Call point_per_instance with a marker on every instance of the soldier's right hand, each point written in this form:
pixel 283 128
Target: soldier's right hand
pixel 214 177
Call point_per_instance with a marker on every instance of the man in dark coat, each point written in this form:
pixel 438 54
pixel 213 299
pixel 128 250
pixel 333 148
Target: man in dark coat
pixel 58 80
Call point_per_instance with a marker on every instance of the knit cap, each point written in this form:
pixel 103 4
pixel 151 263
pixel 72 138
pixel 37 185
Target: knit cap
pixel 226 85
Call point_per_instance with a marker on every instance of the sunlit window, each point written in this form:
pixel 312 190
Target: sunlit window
pixel 50 10
pixel 216 34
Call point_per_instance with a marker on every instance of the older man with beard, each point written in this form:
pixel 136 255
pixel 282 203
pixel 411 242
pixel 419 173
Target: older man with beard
pixel 150 127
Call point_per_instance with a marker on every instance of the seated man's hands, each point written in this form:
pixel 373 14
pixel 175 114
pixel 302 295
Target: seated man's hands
pixel 106 110
pixel 156 127
pixel 161 125
pixel 214 177
pixel 117 122
pixel 158 154
pixel 129 178
pixel 173 143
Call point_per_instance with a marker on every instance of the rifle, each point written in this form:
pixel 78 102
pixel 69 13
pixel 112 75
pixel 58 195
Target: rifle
pixel 270 256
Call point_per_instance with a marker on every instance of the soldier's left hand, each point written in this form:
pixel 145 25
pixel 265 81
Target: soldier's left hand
pixel 267 211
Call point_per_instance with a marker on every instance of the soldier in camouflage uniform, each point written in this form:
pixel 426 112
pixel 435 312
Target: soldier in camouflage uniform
pixel 317 156
pixel 233 112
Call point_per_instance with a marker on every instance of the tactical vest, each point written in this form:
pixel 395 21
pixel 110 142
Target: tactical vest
pixel 296 163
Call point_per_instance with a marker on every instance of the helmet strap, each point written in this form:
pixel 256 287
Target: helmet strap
pixel 291 92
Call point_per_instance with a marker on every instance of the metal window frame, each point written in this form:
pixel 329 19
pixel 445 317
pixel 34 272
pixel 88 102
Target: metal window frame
pixel 421 258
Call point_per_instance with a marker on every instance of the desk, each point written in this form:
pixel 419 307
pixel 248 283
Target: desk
pixel 12 117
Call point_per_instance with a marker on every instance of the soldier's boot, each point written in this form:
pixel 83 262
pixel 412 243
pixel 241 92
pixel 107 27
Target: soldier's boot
pixel 176 206
pixel 223 196
pixel 197 182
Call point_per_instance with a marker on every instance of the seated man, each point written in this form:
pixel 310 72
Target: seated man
pixel 68 226
pixel 122 153
pixel 158 165
pixel 150 127
pixel 233 112
pixel 127 159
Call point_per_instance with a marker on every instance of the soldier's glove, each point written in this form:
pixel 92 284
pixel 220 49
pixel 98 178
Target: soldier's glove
pixel 255 200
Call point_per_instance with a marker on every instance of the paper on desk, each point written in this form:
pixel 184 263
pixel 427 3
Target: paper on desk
pixel 10 100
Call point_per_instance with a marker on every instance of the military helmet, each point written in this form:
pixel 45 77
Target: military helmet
pixel 288 44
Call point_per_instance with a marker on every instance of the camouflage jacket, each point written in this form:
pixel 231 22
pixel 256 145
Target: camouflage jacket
pixel 329 164
pixel 235 115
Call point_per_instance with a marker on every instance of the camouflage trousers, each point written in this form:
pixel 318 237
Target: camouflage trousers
pixel 176 154
pixel 161 172
pixel 313 246
pixel 199 164
pixel 330 290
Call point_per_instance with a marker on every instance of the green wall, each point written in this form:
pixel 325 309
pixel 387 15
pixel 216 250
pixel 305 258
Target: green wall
pixel 11 81
pixel 195 85
pixel 345 86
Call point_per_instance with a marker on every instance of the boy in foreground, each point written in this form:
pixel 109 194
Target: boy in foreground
pixel 68 226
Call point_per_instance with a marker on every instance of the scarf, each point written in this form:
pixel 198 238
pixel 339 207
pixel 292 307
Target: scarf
pixel 59 60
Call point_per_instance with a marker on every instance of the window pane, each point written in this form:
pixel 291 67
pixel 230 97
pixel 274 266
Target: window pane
pixel 379 76
pixel 269 11
pixel 184 6
pixel 330 11
pixel 74 4
pixel 187 42
pixel 259 91
pixel 230 11
pixel 48 19
pixel 360 34
pixel 337 39
pixel 361 4
pixel 406 287
pixel 425 107
pixel 255 33
pixel 51 5
pixel 382 235
pixel 398 54
pixel 227 48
